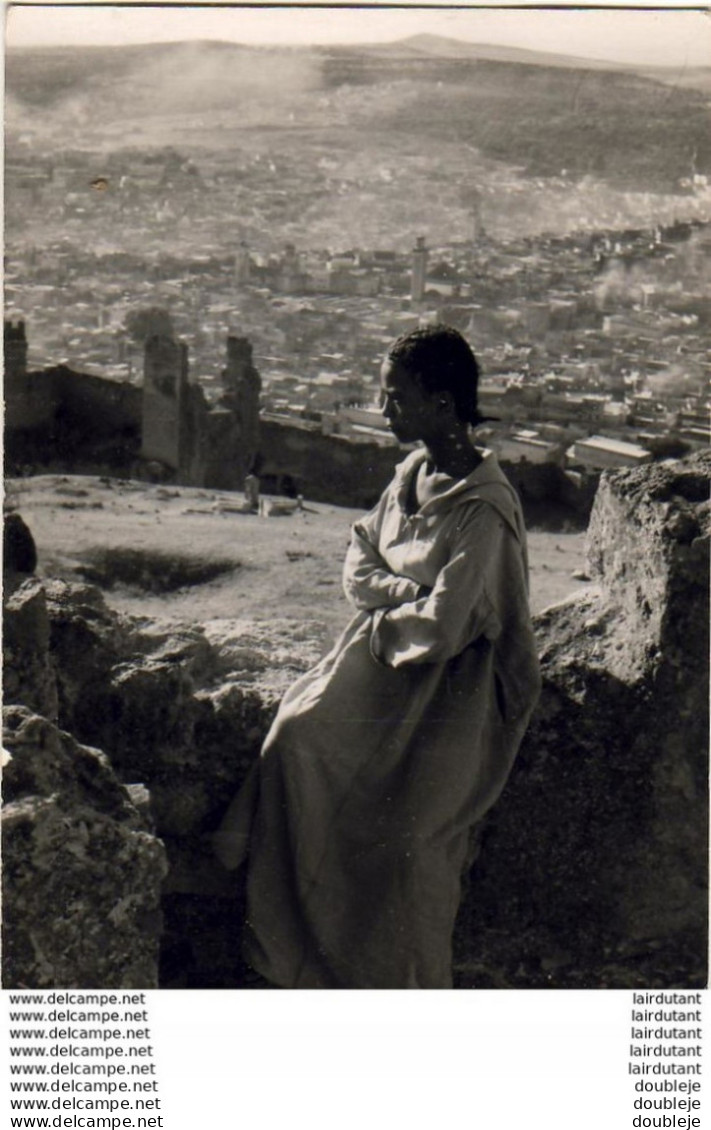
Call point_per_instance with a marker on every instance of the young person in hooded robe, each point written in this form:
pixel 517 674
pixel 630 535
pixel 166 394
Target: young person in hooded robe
pixel 355 823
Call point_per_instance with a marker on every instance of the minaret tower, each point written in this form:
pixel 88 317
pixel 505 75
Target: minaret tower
pixel 419 270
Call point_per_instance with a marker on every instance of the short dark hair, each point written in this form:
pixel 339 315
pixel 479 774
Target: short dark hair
pixel 441 360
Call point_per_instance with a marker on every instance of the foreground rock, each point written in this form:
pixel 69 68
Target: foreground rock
pixel 81 872
pixel 593 867
pixel 181 710
pixel 28 673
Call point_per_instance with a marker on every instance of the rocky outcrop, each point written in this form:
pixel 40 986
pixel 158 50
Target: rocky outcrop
pixel 179 709
pixel 593 867
pixel 82 868
pixel 81 872
pixel 185 711
pixel 28 673
pixel 182 709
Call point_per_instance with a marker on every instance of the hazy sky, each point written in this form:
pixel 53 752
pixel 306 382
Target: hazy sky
pixel 666 37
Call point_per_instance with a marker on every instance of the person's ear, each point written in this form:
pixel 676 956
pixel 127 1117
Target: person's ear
pixel 445 402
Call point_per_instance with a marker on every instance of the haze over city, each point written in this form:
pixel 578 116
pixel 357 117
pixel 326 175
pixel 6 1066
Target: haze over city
pixel 275 170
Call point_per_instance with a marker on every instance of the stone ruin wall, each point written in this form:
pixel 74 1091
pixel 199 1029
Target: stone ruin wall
pixel 592 868
pixel 88 402
pixel 58 415
pixel 326 468
pixel 165 384
pixel 167 430
pixel 30 400
pixel 32 405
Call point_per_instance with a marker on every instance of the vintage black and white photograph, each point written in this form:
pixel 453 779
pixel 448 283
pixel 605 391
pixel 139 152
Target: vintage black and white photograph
pixel 356 531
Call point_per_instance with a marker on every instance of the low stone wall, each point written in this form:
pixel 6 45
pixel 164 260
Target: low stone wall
pixel 78 422
pixel 327 468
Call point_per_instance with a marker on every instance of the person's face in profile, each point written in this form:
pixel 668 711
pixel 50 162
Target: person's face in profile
pixel 410 411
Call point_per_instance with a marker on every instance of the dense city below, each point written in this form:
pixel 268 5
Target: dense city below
pixel 604 332
pixel 554 211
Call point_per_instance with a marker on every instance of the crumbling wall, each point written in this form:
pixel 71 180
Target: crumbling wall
pixel 165 384
pixel 242 386
pixel 185 711
pixel 334 469
pixel 167 431
pixel 550 497
pixel 31 401
pixel 60 417
pixel 327 468
pixel 97 406
pixel 196 443
pixel 14 350
pixel 214 455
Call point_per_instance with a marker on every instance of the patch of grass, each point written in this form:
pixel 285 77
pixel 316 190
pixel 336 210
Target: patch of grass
pixel 151 571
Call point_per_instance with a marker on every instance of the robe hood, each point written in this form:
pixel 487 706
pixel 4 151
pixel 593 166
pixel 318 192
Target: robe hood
pixel 486 483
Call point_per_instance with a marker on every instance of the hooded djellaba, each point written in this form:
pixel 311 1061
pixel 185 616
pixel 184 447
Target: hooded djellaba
pixel 354 826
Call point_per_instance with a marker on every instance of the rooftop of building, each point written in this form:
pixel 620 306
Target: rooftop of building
pixel 607 443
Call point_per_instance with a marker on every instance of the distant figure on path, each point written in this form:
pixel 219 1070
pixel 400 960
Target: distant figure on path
pixel 355 823
pixel 251 492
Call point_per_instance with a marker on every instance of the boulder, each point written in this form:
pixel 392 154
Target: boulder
pixel 28 672
pixel 183 710
pixel 180 708
pixel 81 872
pixel 86 640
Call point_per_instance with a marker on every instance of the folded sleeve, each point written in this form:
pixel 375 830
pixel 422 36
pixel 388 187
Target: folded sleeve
pixel 367 581
pixel 464 603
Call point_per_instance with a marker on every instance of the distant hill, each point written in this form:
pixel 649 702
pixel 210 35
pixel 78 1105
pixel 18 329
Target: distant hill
pixel 444 48
pixel 441 47
pixel 538 112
